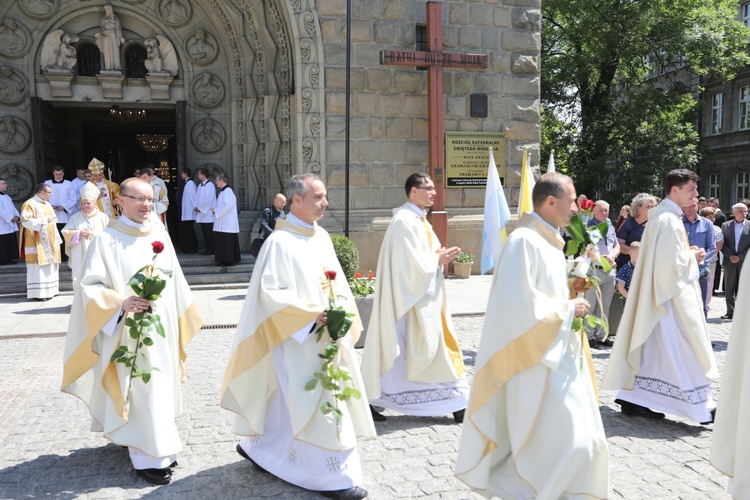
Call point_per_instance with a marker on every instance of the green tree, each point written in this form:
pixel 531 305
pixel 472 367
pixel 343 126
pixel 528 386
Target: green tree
pixel 620 81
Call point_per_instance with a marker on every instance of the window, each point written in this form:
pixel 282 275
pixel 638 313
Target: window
pixel 743 180
pixel 713 186
pixel 746 14
pixel 420 37
pixel 134 57
pixel 717 119
pixel 745 107
pixel 89 59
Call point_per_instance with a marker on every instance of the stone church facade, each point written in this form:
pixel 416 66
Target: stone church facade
pixel 257 90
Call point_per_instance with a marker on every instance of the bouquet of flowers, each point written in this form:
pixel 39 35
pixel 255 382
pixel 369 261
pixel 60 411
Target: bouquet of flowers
pixel 147 283
pixel 332 377
pixel 361 285
pixel 583 245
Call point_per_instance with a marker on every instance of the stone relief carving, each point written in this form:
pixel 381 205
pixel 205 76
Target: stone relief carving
pixel 313 124
pixel 133 2
pixel 20 183
pixel 39 9
pixel 161 57
pixel 14 135
pixel 312 75
pixel 306 50
pixel 208 135
pixel 175 12
pixel 57 51
pixel 208 90
pixel 14 38
pixel 308 149
pixel 109 38
pixel 201 47
pixel 308 100
pixel 13 87
pixel 308 23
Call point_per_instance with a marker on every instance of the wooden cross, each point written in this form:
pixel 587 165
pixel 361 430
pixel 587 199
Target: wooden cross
pixel 435 60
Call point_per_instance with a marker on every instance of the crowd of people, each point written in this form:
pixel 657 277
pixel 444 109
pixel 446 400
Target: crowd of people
pixel 531 421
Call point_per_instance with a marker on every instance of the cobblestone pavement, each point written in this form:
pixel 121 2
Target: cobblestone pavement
pixel 47 450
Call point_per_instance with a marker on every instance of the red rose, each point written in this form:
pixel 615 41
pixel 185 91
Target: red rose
pixel 157 247
pixel 331 275
pixel 370 276
pixel 587 205
pixel 358 275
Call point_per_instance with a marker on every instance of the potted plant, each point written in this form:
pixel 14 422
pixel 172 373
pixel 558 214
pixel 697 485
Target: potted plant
pixel 462 264
pixel 363 289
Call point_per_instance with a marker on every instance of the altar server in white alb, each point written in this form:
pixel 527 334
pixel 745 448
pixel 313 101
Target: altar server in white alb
pixel 412 362
pixel 275 354
pixel 59 198
pixel 144 422
pixel 730 443
pixel 205 202
pixel 227 225
pixel 81 229
pixel 9 218
pixel 40 245
pixel 532 428
pixel 662 361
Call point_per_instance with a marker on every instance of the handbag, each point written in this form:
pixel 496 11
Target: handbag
pixel 255 246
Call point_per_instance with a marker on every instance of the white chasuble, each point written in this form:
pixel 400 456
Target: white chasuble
pixel 662 358
pixel 39 244
pixel 730 445
pixel 412 362
pixel 532 428
pixel 147 422
pixel 275 354
pixel 77 245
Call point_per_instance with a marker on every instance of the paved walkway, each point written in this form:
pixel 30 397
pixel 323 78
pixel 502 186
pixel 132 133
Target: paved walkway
pixel 46 449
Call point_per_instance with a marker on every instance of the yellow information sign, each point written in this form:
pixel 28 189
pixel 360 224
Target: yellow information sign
pixel 466 158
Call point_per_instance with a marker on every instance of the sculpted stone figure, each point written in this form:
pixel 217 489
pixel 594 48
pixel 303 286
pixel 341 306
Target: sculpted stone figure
pixel 19 185
pixel 200 49
pixel 12 41
pixel 39 8
pixel 174 12
pixel 208 136
pixel 13 138
pixel 208 90
pixel 57 51
pixel 161 56
pixel 109 38
pixel 13 88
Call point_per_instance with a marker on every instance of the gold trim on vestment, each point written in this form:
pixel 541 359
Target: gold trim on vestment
pixel 518 355
pixel 188 324
pixel 454 351
pixel 268 335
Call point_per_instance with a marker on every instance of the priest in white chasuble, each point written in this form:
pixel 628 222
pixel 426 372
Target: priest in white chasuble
pixel 131 411
pixel 662 360
pixel 730 444
pixel 532 427
pixel 81 229
pixel 412 362
pixel 109 191
pixel 275 355
pixel 39 245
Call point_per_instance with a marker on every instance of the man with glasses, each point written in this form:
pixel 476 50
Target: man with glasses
pixel 412 362
pixel 40 245
pixel 103 308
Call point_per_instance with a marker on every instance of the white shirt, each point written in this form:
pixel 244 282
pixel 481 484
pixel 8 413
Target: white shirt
pixel 205 200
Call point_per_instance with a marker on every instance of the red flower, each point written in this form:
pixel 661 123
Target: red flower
pixel 370 276
pixel 358 275
pixel 157 247
pixel 331 275
pixel 587 205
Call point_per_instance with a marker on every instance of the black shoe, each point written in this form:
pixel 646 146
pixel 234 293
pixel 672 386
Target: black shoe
pixel 634 410
pixel 173 464
pixel 727 316
pixel 607 343
pixel 155 476
pixel 593 344
pixel 354 492
pixel 458 416
pixel 377 417
pixel 713 418
pixel 245 455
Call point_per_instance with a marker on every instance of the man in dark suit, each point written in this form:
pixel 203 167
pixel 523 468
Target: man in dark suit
pixel 736 244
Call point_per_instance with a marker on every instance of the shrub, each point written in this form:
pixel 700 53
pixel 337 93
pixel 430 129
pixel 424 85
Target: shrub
pixel 347 253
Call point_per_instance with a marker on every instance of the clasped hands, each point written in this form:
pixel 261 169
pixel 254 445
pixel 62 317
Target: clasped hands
pixel 445 255
pixel 136 304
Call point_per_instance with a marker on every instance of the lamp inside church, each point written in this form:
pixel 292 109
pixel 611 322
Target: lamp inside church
pixel 126 116
pixel 154 143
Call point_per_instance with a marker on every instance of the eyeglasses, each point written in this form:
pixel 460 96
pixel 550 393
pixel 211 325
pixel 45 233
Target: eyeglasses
pixel 138 199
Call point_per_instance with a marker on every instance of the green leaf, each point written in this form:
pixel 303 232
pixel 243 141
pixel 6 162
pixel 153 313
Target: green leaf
pixel 134 333
pixel 129 322
pixel 148 341
pixel 160 329
pixel 146 377
pixel 351 392
pixel 571 248
pixel 311 385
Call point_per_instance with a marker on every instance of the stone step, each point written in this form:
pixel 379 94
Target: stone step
pixel 201 273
